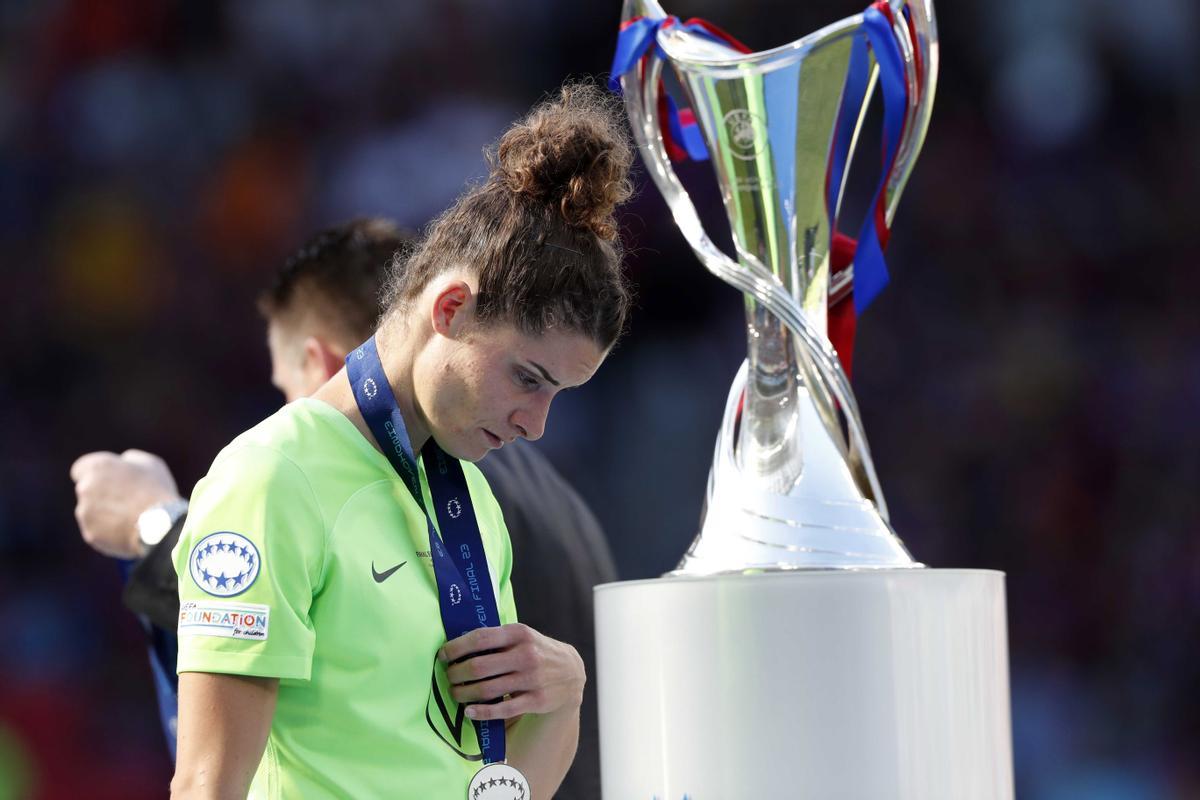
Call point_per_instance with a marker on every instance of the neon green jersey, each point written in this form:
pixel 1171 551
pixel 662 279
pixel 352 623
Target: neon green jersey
pixel 305 558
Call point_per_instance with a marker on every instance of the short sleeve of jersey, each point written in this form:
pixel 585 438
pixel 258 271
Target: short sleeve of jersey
pixel 249 561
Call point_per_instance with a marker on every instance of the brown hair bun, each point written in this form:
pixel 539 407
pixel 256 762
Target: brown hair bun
pixel 570 152
pixel 539 234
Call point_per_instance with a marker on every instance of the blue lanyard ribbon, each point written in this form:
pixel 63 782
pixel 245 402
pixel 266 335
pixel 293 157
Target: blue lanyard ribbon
pixel 464 584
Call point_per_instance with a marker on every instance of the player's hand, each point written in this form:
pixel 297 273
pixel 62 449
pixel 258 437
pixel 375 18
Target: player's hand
pixel 539 674
pixel 111 491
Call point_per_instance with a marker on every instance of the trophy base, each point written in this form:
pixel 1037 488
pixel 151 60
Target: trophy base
pixel 881 683
pixel 822 522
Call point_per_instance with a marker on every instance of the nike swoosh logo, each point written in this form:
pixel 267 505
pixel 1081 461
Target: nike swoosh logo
pixel 380 577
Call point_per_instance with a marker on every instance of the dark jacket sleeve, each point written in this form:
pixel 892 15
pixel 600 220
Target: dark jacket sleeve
pixel 153 589
pixel 559 553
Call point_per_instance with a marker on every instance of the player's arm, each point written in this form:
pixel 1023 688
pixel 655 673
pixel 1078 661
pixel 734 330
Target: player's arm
pixel 542 747
pixel 253 512
pixel 223 725
pixel 543 680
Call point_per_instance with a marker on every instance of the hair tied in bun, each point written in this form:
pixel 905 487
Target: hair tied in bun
pixel 570 153
pixel 540 234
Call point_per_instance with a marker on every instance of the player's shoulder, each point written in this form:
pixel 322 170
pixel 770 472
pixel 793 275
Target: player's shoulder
pixel 282 431
pixel 303 459
pixel 301 433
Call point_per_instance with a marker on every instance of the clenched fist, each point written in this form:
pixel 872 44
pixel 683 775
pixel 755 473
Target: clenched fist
pixel 111 491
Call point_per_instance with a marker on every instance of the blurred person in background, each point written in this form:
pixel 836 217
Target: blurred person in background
pixel 324 301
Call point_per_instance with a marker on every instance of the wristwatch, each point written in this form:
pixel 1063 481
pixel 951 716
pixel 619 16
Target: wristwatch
pixel 156 521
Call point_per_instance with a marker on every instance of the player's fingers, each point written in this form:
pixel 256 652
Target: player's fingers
pixel 515 706
pixel 141 457
pixel 88 462
pixel 481 667
pixel 85 519
pixel 485 639
pixel 483 691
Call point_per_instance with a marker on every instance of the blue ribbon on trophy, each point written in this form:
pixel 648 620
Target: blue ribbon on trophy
pixel 870 269
pixel 637 36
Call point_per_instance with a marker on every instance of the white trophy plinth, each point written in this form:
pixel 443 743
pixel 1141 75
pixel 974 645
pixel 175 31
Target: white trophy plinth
pixel 857 684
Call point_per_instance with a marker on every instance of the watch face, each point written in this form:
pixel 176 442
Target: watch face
pixel 153 526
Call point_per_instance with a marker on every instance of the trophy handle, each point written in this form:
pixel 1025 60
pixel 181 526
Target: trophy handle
pixel 915 30
pixel 819 363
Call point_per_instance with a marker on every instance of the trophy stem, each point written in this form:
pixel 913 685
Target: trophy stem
pixel 770 442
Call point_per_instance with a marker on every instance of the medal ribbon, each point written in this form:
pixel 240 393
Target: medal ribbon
pixel 464 584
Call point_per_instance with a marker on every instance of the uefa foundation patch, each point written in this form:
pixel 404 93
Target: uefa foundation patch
pixel 223 618
pixel 224 564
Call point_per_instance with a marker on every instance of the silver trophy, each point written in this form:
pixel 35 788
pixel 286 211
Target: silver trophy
pixel 795 652
pixel 792 482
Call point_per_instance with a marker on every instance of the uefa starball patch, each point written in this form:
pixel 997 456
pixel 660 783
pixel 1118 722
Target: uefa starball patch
pixel 224 564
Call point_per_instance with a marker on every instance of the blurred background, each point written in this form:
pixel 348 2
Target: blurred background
pixel 1030 381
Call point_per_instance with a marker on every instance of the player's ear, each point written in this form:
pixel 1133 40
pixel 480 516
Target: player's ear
pixel 453 306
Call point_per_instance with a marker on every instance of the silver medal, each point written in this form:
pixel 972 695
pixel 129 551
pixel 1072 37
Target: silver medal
pixel 498 782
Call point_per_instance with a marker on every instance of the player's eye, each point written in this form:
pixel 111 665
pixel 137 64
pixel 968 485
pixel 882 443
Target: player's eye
pixel 527 380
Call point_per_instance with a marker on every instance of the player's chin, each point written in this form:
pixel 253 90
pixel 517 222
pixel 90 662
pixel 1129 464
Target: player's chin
pixel 470 448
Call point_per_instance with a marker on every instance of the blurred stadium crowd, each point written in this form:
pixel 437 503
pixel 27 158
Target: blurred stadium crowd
pixel 1030 382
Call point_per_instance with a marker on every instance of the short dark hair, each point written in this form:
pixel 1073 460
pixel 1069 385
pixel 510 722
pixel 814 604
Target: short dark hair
pixel 339 274
pixel 539 232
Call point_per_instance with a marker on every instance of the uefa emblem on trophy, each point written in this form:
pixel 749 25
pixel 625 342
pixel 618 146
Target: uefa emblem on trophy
pixel 798 649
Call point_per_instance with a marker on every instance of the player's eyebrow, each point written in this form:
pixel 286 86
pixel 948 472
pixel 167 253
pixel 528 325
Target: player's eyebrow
pixel 545 374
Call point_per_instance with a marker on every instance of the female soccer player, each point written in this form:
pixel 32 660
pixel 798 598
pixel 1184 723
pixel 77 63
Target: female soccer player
pixel 344 576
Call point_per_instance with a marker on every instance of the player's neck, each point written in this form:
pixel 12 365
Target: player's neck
pixel 398 354
pixel 338 393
